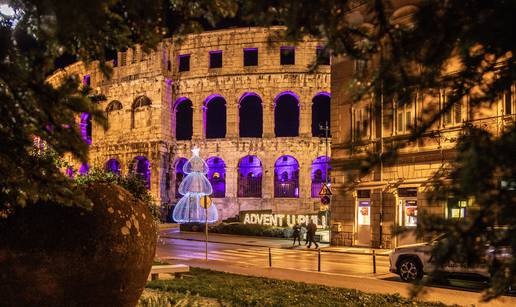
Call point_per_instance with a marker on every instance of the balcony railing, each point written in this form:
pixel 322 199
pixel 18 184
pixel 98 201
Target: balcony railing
pixel 219 188
pixel 250 187
pixel 286 189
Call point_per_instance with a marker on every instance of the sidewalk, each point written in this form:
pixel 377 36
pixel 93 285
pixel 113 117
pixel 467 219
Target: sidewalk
pixel 366 284
pixel 174 233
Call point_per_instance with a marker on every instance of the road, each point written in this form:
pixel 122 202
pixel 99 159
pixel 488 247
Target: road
pixel 287 258
pixel 237 251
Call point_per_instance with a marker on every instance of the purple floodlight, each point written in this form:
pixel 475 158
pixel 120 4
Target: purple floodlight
pixel 84 169
pixel 248 94
pixel 86 80
pixel 286 93
pixel 86 128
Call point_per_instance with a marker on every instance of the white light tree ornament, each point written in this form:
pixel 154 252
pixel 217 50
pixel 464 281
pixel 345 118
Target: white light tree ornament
pixel 193 187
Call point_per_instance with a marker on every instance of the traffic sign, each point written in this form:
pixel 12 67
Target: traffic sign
pixel 325 190
pixel 205 202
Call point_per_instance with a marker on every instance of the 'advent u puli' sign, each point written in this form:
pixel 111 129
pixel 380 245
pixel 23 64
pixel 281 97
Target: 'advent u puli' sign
pixel 283 220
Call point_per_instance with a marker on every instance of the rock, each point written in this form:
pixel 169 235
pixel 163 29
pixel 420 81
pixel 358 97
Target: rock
pixel 67 256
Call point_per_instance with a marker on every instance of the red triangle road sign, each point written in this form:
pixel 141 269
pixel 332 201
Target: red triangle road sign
pixel 325 190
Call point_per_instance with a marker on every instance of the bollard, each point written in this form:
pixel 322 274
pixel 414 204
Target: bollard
pixel 319 260
pixel 374 261
pixel 270 258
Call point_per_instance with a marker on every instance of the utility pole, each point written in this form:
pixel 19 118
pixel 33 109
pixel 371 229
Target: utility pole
pixel 326 130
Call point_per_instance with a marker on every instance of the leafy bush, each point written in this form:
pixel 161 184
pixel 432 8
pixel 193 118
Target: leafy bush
pixel 241 229
pixel 239 290
pixel 134 183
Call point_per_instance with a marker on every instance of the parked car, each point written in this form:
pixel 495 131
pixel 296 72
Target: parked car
pixel 411 262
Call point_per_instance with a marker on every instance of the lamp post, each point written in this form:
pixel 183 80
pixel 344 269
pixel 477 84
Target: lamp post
pixel 326 130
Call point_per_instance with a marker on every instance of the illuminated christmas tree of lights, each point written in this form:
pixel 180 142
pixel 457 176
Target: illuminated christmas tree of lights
pixel 194 186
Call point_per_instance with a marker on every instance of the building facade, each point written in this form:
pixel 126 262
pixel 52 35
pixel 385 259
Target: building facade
pixel 250 101
pixel 365 209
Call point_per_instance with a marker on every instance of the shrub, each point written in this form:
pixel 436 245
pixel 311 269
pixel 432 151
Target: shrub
pixel 238 228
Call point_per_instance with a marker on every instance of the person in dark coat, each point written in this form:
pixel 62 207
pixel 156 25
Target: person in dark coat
pixel 310 234
pixel 296 234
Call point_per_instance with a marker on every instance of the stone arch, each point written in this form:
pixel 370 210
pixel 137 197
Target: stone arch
pixel 179 174
pixel 113 166
pixel 250 114
pixel 114 105
pixel 286 114
pixel 183 108
pixel 217 176
pixel 86 127
pixel 215 114
pixel 320 113
pixel 141 166
pixel 137 108
pixel 250 172
pixel 286 177
pixel 320 173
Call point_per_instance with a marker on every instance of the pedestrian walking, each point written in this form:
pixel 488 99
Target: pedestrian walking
pixel 296 234
pixel 311 229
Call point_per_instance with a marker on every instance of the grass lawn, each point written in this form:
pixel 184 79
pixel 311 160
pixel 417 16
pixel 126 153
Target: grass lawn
pixel 239 290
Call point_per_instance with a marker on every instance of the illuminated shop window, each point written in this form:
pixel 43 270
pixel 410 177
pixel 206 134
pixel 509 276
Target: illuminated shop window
pixel 364 212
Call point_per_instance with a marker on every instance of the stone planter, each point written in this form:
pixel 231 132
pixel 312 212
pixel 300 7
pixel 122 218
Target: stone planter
pixel 67 256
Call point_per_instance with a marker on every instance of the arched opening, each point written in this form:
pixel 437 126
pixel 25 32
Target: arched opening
pixel 113 166
pixel 215 117
pixel 321 170
pixel 320 114
pixel 250 116
pixel 286 177
pixel 217 176
pixel 250 177
pixel 286 115
pixel 180 174
pixel 184 116
pixel 141 167
pixel 86 128
pixel 112 107
pixel 138 116
pixel 84 169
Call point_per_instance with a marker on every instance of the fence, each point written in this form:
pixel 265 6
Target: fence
pixel 250 187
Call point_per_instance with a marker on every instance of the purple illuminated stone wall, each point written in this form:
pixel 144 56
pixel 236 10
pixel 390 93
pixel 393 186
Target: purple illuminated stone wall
pixel 84 169
pixel 319 164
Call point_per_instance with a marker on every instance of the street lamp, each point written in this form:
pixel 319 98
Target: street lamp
pixel 326 130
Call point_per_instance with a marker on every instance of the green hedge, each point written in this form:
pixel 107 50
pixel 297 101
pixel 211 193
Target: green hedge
pixel 238 228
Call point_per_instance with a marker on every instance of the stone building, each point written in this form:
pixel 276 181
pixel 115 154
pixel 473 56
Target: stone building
pixel 364 210
pixel 249 100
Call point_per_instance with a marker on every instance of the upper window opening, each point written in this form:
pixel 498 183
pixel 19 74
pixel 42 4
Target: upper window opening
pixel 287 55
pixel 216 59
pixel 184 62
pixel 251 57
pixel 323 57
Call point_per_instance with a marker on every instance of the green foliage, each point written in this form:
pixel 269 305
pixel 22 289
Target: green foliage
pixel 241 229
pixel 133 183
pixel 165 299
pixel 239 290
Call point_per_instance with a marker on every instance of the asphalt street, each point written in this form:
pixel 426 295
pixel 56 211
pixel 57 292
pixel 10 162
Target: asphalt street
pixel 299 258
